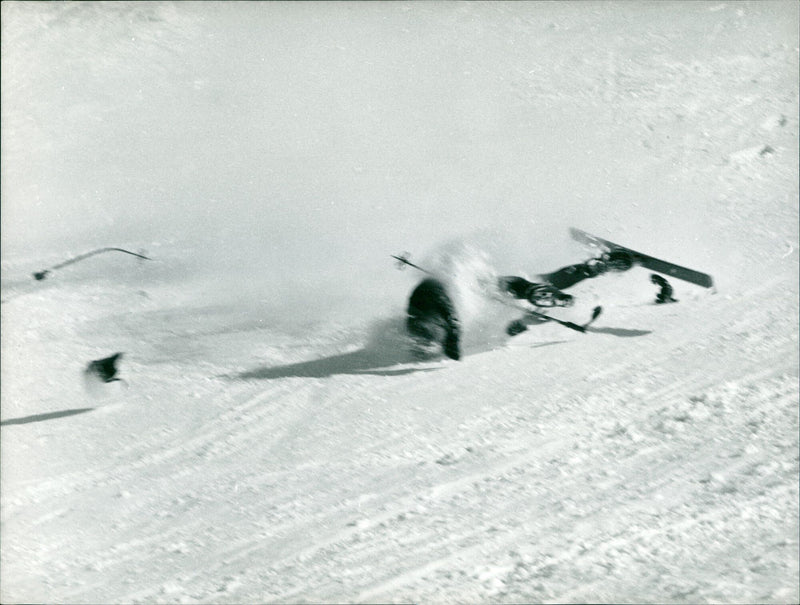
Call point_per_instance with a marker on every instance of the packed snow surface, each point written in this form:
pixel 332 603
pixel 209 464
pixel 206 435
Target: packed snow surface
pixel 272 440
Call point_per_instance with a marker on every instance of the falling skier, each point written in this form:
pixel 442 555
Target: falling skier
pixel 432 320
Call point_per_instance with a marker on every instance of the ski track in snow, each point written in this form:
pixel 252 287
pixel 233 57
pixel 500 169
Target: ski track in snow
pixel 569 487
pixel 262 455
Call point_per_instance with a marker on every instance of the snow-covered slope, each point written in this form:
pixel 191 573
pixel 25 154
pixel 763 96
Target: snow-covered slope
pixel 274 442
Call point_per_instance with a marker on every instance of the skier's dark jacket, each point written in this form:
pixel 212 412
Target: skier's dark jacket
pixel 429 307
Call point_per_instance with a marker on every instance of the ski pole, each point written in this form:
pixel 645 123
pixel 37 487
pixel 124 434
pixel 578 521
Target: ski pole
pixel 568 324
pixel 40 275
pixel 403 260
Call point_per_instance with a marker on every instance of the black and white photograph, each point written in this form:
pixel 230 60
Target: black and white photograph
pixel 435 302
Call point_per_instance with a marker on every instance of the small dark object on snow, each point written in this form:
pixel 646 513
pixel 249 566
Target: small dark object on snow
pixel 665 295
pixel 105 369
pixel 518 326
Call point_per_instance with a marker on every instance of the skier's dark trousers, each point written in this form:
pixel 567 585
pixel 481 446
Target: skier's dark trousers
pixel 616 260
pixel 432 316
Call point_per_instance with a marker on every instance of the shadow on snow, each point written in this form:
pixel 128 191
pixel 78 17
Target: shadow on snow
pixel 48 416
pixel 386 346
pixel 621 332
pixel 363 361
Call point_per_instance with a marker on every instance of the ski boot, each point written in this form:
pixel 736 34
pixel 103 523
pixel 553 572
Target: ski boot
pixel 615 261
pixel 538 294
pixel 544 295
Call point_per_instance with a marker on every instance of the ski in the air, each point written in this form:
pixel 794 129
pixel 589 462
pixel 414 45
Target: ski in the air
pixel 646 261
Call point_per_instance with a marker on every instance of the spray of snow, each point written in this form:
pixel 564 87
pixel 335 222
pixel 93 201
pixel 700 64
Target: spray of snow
pixel 275 442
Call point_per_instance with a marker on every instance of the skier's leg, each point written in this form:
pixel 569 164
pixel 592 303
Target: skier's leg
pixel 569 276
pixel 516 286
pixel 540 295
pixel 616 260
